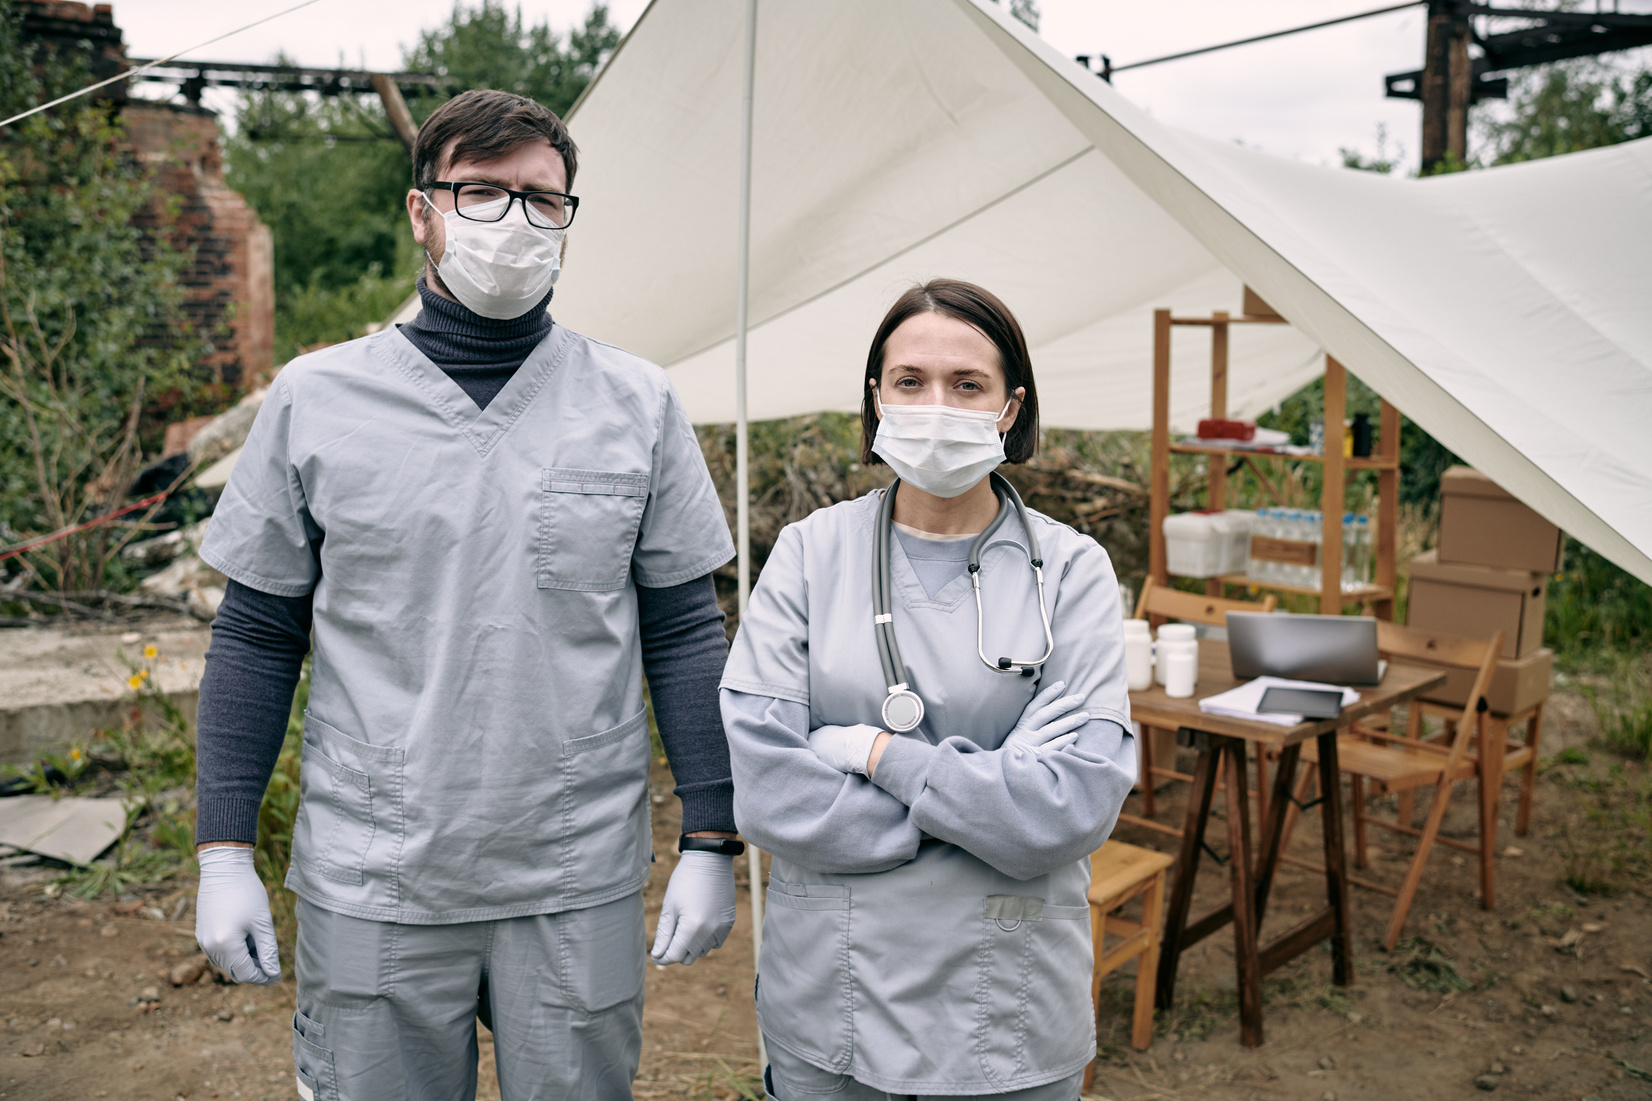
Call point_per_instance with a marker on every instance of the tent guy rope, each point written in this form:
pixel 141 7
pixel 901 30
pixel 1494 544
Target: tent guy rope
pixel 129 73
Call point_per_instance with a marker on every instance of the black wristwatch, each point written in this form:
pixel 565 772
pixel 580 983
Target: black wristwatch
pixel 726 846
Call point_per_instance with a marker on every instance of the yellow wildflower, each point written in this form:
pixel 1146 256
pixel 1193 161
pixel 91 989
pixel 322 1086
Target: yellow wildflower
pixel 144 673
pixel 134 682
pixel 74 754
pixel 150 652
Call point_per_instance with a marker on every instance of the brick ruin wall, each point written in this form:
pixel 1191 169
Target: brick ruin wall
pixel 229 285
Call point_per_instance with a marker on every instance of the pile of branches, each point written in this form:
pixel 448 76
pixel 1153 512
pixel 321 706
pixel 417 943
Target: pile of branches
pixel 1095 481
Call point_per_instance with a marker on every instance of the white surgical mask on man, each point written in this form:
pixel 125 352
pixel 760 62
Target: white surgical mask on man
pixel 941 449
pixel 498 269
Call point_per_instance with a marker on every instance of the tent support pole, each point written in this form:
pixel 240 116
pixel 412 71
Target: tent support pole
pixel 742 471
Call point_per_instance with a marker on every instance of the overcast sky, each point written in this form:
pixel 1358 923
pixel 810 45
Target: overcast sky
pixel 1305 96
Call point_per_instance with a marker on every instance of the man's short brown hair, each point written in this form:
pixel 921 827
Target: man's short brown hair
pixel 483 125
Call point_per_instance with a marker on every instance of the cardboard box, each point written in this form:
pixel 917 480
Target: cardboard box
pixel 1516 685
pixel 1478 601
pixel 1481 525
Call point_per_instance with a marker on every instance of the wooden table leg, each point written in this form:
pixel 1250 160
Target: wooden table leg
pixel 1247 960
pixel 1336 866
pixel 1187 867
pixel 1271 839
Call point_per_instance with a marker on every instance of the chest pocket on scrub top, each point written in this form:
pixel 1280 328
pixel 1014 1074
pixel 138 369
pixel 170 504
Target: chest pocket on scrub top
pixel 588 522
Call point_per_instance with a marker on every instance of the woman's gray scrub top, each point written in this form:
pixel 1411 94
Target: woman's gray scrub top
pixel 476 745
pixel 927 931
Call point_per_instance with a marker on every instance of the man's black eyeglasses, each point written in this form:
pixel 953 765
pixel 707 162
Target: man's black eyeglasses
pixel 484 202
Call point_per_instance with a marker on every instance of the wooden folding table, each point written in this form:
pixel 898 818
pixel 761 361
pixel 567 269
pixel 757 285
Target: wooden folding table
pixel 1221 743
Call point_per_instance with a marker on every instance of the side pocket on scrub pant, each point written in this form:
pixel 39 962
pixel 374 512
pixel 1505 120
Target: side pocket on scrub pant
pixel 804 998
pixel 1032 989
pixel 349 792
pixel 588 522
pixel 313 1060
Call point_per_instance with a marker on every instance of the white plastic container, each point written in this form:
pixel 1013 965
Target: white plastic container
pixel 1195 544
pixel 1138 657
pixel 1182 664
pixel 1171 637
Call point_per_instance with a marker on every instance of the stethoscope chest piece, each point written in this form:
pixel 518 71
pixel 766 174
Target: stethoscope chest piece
pixel 903 710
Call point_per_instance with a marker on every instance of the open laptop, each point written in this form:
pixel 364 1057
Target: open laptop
pixel 1332 649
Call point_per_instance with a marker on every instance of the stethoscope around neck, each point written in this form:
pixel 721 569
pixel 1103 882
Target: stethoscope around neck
pixel 903 708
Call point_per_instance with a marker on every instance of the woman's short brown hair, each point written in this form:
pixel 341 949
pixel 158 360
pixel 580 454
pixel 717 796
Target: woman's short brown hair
pixel 982 310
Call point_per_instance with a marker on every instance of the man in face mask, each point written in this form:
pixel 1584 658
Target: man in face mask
pixel 494 527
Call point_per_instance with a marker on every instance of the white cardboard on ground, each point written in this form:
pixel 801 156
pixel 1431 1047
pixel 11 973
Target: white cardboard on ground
pixel 71 828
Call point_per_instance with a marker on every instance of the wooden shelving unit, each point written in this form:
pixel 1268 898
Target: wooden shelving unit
pixel 1378 596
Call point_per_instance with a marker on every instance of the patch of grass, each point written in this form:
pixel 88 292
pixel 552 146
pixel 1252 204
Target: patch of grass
pixel 150 763
pixel 1604 830
pixel 1571 755
pixel 723 1083
pixel 1423 965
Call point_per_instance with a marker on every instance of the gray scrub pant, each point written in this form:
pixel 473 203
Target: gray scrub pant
pixel 792 1079
pixel 388 1011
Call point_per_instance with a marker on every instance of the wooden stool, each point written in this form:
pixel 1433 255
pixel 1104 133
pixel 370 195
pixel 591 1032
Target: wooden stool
pixel 1119 873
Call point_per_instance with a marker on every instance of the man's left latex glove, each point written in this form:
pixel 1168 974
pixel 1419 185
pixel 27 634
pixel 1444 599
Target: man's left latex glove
pixel 699 908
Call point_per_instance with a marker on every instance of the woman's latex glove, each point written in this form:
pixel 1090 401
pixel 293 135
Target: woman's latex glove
pixel 232 917
pixel 1048 723
pixel 699 908
pixel 845 748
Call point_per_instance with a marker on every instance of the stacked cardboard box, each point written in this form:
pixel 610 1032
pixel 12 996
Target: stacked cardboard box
pixel 1489 574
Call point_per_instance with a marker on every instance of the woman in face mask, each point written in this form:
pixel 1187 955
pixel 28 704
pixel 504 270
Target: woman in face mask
pixel 928 724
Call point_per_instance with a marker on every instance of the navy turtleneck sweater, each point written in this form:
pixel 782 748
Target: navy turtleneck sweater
pixel 259 640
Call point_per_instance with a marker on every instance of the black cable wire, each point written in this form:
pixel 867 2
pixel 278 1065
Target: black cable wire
pixel 1265 37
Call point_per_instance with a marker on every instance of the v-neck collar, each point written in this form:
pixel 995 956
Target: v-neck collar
pixel 904 578
pixel 483 428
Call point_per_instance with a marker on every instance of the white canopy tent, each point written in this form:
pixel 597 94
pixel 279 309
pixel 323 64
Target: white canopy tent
pixel 1508 312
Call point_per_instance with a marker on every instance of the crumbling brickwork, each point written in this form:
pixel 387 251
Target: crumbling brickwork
pixel 229 285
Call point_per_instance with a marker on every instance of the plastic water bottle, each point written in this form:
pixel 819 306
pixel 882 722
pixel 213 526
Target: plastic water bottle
pixel 1363 553
pixel 1314 533
pixel 1350 551
pixel 1304 532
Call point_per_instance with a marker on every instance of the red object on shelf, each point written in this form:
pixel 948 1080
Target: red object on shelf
pixel 1218 428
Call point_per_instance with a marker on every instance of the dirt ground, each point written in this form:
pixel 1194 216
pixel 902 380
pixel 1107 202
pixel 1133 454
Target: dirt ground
pixel 1561 1004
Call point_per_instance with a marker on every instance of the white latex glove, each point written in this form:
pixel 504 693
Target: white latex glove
pixel 699 908
pixel 1049 722
pixel 845 748
pixel 232 917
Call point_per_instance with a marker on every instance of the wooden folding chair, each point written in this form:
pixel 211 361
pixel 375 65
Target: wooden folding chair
pixel 1158 604
pixel 1518 756
pixel 1406 763
pixel 1118 874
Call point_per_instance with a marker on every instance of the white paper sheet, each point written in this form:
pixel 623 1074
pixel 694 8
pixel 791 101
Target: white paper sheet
pixel 1241 702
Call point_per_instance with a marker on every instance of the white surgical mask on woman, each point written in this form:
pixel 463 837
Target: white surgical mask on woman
pixel 498 269
pixel 941 449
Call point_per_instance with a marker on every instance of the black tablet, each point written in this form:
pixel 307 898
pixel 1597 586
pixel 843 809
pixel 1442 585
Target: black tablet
pixel 1313 703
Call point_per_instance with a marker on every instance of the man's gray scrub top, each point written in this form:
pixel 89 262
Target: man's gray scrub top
pixel 476 745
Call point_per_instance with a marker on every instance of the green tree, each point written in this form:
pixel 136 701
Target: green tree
pixel 1565 107
pixel 91 320
pixel 328 176
pixel 491 47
